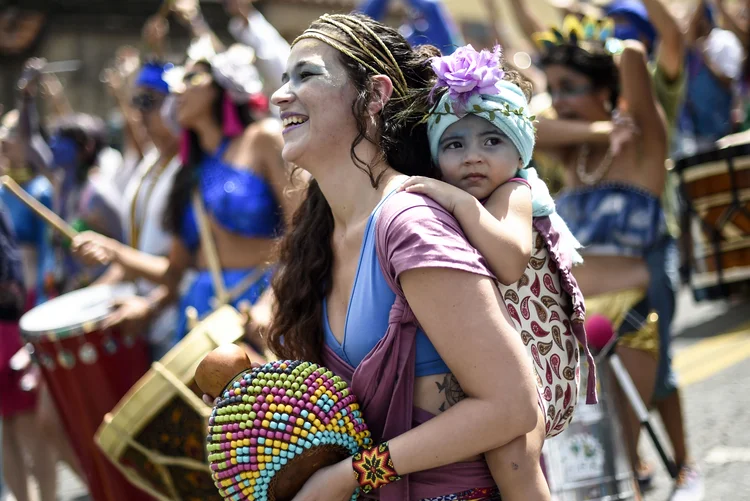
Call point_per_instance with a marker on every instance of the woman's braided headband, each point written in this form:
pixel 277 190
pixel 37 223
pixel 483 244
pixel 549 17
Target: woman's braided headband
pixel 382 58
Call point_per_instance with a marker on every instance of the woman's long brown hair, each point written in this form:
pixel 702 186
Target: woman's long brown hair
pixel 305 262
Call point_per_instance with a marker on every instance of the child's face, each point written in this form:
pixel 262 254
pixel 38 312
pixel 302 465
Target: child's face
pixel 475 156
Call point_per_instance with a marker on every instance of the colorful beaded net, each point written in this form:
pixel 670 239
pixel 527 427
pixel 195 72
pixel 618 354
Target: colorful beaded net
pixel 272 415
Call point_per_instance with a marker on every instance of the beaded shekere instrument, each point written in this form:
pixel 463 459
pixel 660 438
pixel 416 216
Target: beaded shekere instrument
pixel 275 425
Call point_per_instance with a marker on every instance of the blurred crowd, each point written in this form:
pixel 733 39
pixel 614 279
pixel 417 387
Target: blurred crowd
pixel 131 187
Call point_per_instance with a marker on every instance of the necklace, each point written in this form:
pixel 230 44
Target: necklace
pixel 135 227
pixel 591 178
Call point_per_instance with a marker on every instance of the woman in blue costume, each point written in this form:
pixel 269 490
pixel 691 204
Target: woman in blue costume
pixel 232 159
pixel 21 411
pixel 611 202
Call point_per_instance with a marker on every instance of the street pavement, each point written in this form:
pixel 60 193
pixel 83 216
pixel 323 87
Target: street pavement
pixel 712 346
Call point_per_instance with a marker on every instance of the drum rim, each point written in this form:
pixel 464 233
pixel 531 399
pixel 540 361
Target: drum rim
pixel 711 155
pixel 78 329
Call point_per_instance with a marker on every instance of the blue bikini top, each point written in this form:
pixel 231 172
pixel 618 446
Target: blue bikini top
pixel 613 219
pixel 239 200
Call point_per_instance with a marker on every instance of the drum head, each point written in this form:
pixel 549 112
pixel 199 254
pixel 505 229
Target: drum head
pixel 74 313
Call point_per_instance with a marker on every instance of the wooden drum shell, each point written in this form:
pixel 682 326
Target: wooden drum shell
pixel 715 187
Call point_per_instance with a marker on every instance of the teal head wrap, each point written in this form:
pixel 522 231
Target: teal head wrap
pixel 507 110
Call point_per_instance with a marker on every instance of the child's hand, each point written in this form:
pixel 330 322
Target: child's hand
pixel 446 195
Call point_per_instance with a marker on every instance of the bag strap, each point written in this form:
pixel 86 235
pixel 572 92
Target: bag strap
pixel 223 296
pixel 209 247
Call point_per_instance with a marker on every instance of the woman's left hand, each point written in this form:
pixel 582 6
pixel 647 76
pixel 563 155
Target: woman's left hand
pixel 333 483
pixel 449 197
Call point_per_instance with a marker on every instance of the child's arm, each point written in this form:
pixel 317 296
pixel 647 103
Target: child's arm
pixel 500 229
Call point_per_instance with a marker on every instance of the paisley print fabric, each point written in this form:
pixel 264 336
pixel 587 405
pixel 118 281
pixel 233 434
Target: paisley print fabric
pixel 541 310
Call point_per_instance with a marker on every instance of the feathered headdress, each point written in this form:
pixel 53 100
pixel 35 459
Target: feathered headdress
pixel 590 35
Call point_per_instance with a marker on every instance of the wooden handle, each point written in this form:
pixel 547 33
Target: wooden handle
pixel 45 213
pixel 218 368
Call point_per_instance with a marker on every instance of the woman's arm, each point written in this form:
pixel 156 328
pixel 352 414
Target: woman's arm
pixel 639 96
pixel 92 247
pixel 529 23
pixel 555 133
pixel 671 52
pixel 488 360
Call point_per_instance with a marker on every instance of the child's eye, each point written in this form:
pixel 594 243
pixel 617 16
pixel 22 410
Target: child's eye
pixel 452 146
pixel 493 141
pixel 305 74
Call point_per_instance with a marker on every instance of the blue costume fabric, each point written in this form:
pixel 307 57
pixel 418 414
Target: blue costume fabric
pixel 241 202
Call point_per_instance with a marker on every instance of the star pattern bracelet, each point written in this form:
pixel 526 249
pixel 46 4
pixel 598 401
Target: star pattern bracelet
pixel 373 468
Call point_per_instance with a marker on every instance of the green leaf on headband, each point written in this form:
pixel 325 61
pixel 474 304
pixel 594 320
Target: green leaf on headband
pixel 447 108
pixel 492 116
pixel 506 113
pixel 520 110
pixel 477 108
pixel 532 117
pixel 437 120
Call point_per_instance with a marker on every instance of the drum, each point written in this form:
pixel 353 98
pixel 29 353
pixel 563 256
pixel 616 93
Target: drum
pixel 715 187
pixel 156 435
pixel 87 369
pixel 589 461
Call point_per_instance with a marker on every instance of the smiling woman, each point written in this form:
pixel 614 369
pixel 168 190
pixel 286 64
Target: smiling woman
pixel 353 103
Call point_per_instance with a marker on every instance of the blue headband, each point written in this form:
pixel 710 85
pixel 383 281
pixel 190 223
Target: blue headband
pixel 507 110
pixel 152 77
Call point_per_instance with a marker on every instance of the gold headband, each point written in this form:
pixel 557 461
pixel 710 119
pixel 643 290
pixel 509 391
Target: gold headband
pixel 339 21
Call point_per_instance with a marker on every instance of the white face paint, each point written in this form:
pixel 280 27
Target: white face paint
pixel 315 105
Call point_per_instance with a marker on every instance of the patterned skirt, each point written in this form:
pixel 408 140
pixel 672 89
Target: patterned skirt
pixel 481 494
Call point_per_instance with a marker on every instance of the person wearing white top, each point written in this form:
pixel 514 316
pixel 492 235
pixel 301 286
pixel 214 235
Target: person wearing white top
pixel 145 198
pixel 249 27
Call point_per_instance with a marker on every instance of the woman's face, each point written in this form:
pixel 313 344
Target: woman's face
pixel 197 99
pixel 476 156
pixel 574 96
pixel 316 104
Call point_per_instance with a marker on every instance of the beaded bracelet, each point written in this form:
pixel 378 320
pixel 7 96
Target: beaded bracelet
pixel 373 468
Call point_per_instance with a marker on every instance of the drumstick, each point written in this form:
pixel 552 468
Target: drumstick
pixel 45 213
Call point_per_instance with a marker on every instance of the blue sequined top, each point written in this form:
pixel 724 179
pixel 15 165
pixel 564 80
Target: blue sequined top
pixel 613 219
pixel 240 200
pixel 32 230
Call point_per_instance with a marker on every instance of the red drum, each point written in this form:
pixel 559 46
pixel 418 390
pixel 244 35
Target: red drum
pixel 87 370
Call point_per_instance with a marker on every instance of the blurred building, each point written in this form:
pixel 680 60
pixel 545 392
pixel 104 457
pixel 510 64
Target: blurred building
pixel 90 31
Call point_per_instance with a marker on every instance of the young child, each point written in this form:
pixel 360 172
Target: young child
pixel 482 139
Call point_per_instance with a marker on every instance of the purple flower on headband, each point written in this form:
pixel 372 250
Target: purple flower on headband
pixel 467 72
